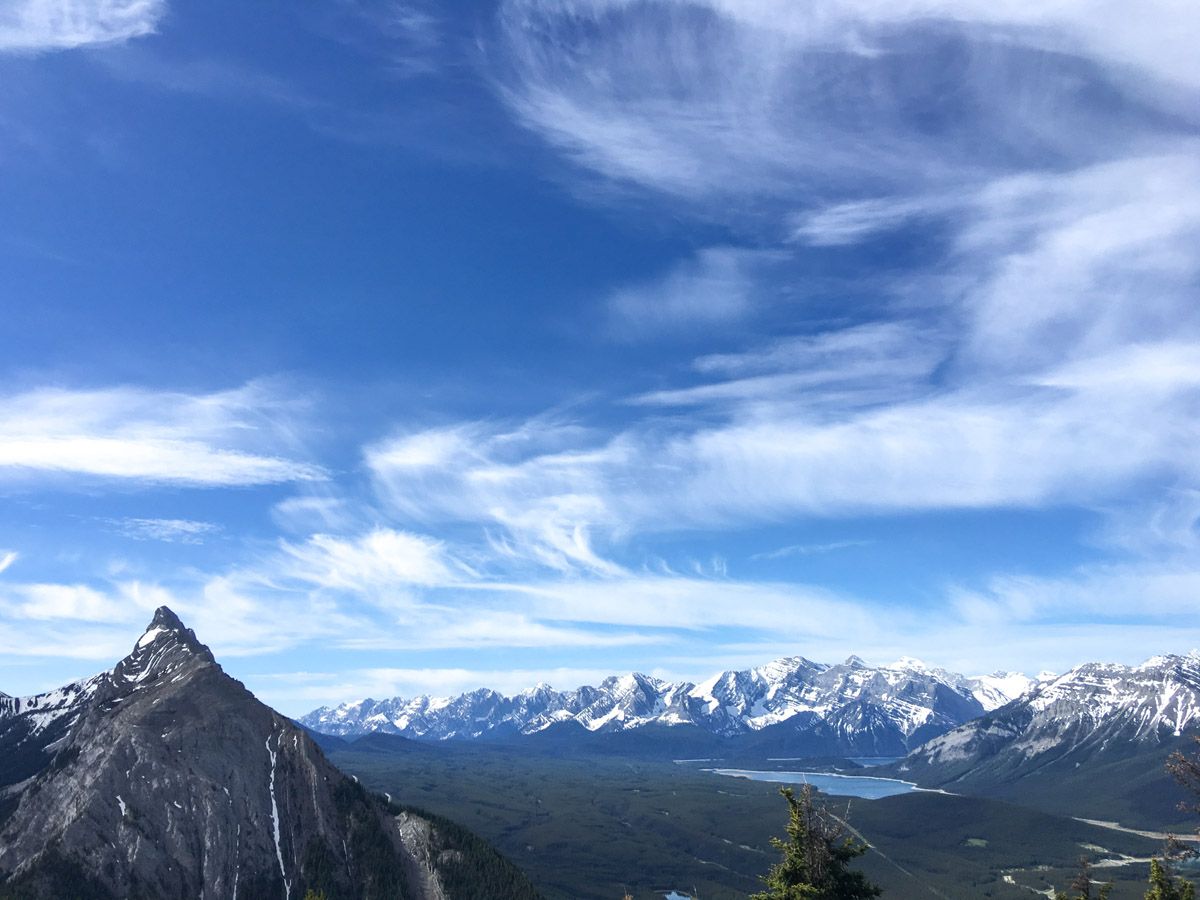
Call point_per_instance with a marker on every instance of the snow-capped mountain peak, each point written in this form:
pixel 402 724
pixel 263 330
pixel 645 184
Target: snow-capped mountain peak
pixel 1095 709
pixel 909 664
pixel 995 690
pixel 851 708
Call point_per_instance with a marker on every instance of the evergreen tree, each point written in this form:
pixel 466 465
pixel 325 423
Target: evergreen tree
pixel 816 857
pixel 1165 886
pixel 1186 769
pixel 1082 885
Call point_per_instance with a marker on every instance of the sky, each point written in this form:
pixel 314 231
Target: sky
pixel 408 347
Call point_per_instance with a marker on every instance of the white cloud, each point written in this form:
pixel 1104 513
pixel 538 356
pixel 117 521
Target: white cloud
pixel 1079 263
pixel 33 26
pixel 176 531
pixel 858 366
pixel 721 101
pixel 310 513
pixel 851 222
pixel 229 438
pixel 7 558
pixel 718 285
pixel 547 502
pixel 794 611
pixel 1009 445
pixel 383 559
pixel 73 602
pixel 405 36
pixel 810 549
pixel 1148 592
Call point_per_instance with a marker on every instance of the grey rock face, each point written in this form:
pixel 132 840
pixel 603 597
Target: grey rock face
pixel 172 780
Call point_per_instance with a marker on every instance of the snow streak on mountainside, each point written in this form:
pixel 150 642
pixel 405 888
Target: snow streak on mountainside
pixel 849 707
pixel 1095 710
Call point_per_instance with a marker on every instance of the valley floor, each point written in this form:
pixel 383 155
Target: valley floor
pixel 583 828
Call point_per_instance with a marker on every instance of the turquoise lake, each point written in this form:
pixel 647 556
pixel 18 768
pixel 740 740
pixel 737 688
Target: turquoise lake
pixel 835 785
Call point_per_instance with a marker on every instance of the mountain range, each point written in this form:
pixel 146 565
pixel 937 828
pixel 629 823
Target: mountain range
pixel 1094 740
pixel 164 777
pixel 791 705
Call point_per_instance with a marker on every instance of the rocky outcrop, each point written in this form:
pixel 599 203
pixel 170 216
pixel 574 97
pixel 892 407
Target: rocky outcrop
pixel 172 780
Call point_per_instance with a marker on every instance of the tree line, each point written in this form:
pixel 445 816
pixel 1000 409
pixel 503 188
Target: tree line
pixel 818 849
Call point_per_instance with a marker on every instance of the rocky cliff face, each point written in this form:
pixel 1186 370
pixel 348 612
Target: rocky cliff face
pixel 169 779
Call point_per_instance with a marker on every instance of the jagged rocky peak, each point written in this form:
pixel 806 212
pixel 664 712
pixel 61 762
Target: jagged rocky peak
pixel 171 780
pixel 167 647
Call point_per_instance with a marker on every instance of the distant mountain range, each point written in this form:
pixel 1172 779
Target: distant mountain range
pixel 1092 742
pixel 1094 739
pixel 791 705
pixel 165 778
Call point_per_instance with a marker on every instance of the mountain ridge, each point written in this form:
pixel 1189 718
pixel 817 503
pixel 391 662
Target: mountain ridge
pixel 168 778
pixel 1049 746
pixel 848 707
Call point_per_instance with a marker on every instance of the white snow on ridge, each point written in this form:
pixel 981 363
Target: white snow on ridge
pixel 995 690
pixel 901 699
pixel 1095 705
pixel 149 637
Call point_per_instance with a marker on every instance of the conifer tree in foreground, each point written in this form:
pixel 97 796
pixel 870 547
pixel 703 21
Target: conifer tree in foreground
pixel 1082 885
pixel 816 857
pixel 1164 885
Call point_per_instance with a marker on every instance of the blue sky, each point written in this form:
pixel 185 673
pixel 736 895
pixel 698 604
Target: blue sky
pixel 408 347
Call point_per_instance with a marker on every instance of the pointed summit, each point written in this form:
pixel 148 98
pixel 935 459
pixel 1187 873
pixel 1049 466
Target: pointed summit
pixel 164 617
pixel 166 646
pixel 166 624
pixel 167 778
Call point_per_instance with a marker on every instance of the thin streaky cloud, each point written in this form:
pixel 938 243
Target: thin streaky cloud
pixel 718 285
pixel 743 106
pixel 37 26
pixel 228 438
pixel 171 531
pixel 810 549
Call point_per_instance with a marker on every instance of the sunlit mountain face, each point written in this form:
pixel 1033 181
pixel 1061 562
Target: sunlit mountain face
pixel 408 350
pixel 792 704
pixel 165 777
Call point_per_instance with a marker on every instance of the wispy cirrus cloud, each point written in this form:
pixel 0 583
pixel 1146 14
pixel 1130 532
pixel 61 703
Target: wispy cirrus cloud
pixel 965 449
pixel 35 26
pixel 228 438
pixel 717 286
pixel 809 549
pixel 753 104
pixel 171 531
